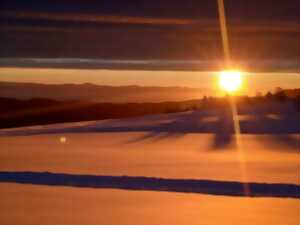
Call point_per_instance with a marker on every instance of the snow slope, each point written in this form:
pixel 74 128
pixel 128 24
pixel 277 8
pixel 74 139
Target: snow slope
pixel 193 145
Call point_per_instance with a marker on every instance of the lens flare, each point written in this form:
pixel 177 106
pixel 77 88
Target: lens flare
pixel 230 81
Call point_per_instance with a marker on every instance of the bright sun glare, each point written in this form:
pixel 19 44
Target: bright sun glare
pixel 230 81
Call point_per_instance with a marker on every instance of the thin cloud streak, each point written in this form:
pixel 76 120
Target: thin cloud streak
pixel 206 24
pixel 102 18
pixel 155 64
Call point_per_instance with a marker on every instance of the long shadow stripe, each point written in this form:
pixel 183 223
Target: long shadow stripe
pixel 152 184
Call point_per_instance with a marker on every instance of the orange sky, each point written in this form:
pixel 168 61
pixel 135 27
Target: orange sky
pixel 253 81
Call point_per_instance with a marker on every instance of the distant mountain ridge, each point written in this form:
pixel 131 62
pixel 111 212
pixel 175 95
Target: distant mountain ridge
pixel 99 93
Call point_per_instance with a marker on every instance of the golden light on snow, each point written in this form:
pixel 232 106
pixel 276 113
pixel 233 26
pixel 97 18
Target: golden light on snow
pixel 230 81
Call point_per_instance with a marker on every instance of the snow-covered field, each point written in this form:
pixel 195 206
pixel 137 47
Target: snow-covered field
pixel 175 147
pixel 30 204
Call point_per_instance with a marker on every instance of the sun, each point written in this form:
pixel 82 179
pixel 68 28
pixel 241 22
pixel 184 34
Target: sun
pixel 230 81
